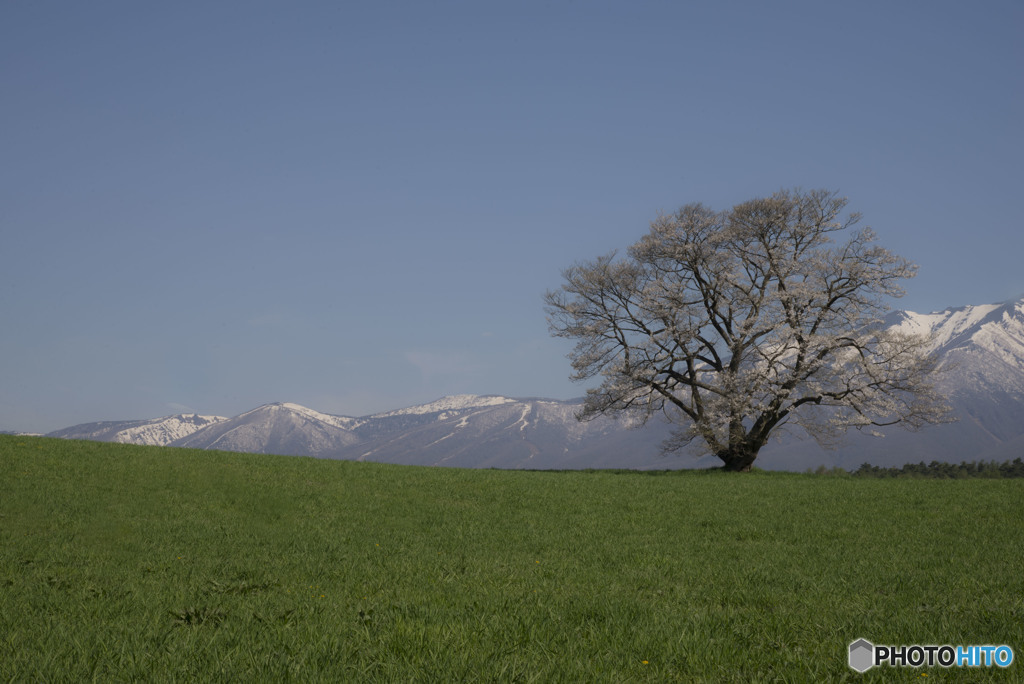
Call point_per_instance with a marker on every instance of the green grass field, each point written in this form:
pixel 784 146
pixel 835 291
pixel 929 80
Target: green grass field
pixel 126 563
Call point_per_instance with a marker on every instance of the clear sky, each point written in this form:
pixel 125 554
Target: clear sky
pixel 208 206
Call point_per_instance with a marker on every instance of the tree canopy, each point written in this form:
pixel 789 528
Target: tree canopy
pixel 736 323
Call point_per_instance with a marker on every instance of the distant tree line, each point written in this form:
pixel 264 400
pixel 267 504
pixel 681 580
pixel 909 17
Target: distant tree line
pixel 934 470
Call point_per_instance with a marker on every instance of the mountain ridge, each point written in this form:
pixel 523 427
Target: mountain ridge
pixel 153 431
pixel 981 349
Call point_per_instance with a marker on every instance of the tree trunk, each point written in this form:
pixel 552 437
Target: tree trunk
pixel 738 460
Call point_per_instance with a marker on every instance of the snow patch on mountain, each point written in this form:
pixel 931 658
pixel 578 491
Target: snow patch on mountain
pixel 995 327
pixel 457 402
pixel 163 431
pixel 343 422
pixel 522 423
pixel 982 347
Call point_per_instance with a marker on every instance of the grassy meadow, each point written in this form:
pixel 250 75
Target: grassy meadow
pixel 123 563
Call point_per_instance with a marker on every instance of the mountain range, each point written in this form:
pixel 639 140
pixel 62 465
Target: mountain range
pixel 981 349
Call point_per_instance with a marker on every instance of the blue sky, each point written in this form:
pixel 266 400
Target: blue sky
pixel 208 206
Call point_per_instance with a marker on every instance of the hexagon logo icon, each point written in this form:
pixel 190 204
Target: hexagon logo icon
pixel 862 655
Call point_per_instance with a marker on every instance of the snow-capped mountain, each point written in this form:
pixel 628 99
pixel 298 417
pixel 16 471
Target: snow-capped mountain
pixel 982 346
pixel 287 429
pixel 982 356
pixel 457 402
pixel 156 432
pixel 499 432
pixel 981 349
pixel 466 430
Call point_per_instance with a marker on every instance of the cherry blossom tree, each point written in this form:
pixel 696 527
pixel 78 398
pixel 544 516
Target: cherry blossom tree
pixel 735 324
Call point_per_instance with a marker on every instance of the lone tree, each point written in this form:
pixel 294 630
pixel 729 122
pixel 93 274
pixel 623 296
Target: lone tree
pixel 736 323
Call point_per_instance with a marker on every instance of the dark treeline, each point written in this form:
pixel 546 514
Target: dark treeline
pixel 936 469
